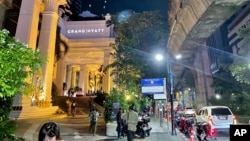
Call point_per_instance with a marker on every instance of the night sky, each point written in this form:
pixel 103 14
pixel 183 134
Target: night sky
pixel 102 7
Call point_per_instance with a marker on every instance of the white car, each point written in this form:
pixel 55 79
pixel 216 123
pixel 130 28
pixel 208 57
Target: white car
pixel 218 117
pixel 189 111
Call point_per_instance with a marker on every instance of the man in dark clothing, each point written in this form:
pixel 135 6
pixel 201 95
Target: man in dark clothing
pixel 119 123
pixel 90 102
pixel 73 108
pixel 71 92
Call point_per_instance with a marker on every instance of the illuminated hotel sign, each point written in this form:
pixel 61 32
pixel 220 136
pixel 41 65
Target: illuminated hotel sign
pixel 85 31
pixel 81 32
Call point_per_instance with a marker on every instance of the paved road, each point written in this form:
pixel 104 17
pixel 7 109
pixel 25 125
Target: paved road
pixel 153 137
pixel 222 136
pixel 76 129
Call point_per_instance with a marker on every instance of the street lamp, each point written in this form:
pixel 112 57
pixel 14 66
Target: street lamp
pixel 171 83
pixel 159 58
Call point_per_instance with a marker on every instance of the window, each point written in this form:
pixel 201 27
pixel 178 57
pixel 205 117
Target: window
pixel 206 113
pixel 200 112
pixel 220 111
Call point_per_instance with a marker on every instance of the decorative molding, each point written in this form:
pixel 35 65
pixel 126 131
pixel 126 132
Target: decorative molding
pixel 50 5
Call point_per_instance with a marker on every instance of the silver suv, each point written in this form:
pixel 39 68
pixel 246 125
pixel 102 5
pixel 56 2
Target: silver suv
pixel 218 117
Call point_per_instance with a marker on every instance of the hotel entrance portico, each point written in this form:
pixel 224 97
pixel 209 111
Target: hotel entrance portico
pixel 83 63
pixel 88 53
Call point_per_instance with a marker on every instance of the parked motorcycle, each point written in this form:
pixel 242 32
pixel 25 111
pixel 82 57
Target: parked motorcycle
pixel 204 132
pixel 142 128
pixel 177 120
pixel 186 126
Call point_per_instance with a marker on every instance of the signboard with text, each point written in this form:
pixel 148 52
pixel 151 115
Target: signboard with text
pixel 86 29
pixel 153 86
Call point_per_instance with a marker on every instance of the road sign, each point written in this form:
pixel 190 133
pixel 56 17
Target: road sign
pixel 153 86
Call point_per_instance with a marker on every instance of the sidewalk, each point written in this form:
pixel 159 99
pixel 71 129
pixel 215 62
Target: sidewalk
pixel 76 129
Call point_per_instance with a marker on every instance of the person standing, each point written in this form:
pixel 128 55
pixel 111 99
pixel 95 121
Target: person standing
pixel 131 118
pixel 70 92
pixel 73 108
pixel 94 114
pixel 161 115
pixel 90 102
pixel 69 104
pixel 119 123
pixel 151 111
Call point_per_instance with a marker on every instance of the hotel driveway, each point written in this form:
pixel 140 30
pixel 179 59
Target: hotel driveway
pixel 76 129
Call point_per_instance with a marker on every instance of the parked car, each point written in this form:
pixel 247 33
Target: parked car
pixel 189 111
pixel 218 117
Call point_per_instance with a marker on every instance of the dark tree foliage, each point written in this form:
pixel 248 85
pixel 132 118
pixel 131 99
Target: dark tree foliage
pixel 225 84
pixel 233 93
pixel 138 39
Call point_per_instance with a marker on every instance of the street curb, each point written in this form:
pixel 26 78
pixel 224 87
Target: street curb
pixel 178 133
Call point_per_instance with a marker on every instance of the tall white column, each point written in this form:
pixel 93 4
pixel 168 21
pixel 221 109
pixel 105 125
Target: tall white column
pixel 69 72
pixel 26 32
pixel 86 80
pixel 47 42
pixel 27 25
pixel 106 84
pixel 81 77
pixel 60 73
pixel 73 77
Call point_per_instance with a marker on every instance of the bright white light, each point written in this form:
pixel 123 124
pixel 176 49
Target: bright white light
pixel 217 96
pixel 178 56
pixel 158 57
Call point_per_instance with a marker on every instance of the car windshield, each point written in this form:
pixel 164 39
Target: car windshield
pixel 220 111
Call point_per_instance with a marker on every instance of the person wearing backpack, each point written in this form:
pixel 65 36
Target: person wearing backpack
pixel 94 114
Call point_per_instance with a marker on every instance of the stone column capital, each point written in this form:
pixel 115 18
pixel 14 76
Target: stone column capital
pixel 52 5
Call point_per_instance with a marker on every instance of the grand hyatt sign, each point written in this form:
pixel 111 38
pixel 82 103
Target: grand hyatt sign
pixel 85 31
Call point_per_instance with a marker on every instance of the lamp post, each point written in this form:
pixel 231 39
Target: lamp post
pixel 171 83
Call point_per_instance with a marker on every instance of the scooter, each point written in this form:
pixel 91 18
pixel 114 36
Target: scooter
pixel 142 128
pixel 146 126
pixel 186 126
pixel 178 119
pixel 204 132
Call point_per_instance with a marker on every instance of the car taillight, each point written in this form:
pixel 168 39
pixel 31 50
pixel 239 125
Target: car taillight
pixel 234 120
pixel 212 132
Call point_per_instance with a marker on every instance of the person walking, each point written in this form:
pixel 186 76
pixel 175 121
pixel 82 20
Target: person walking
pixel 131 118
pixel 119 123
pixel 94 114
